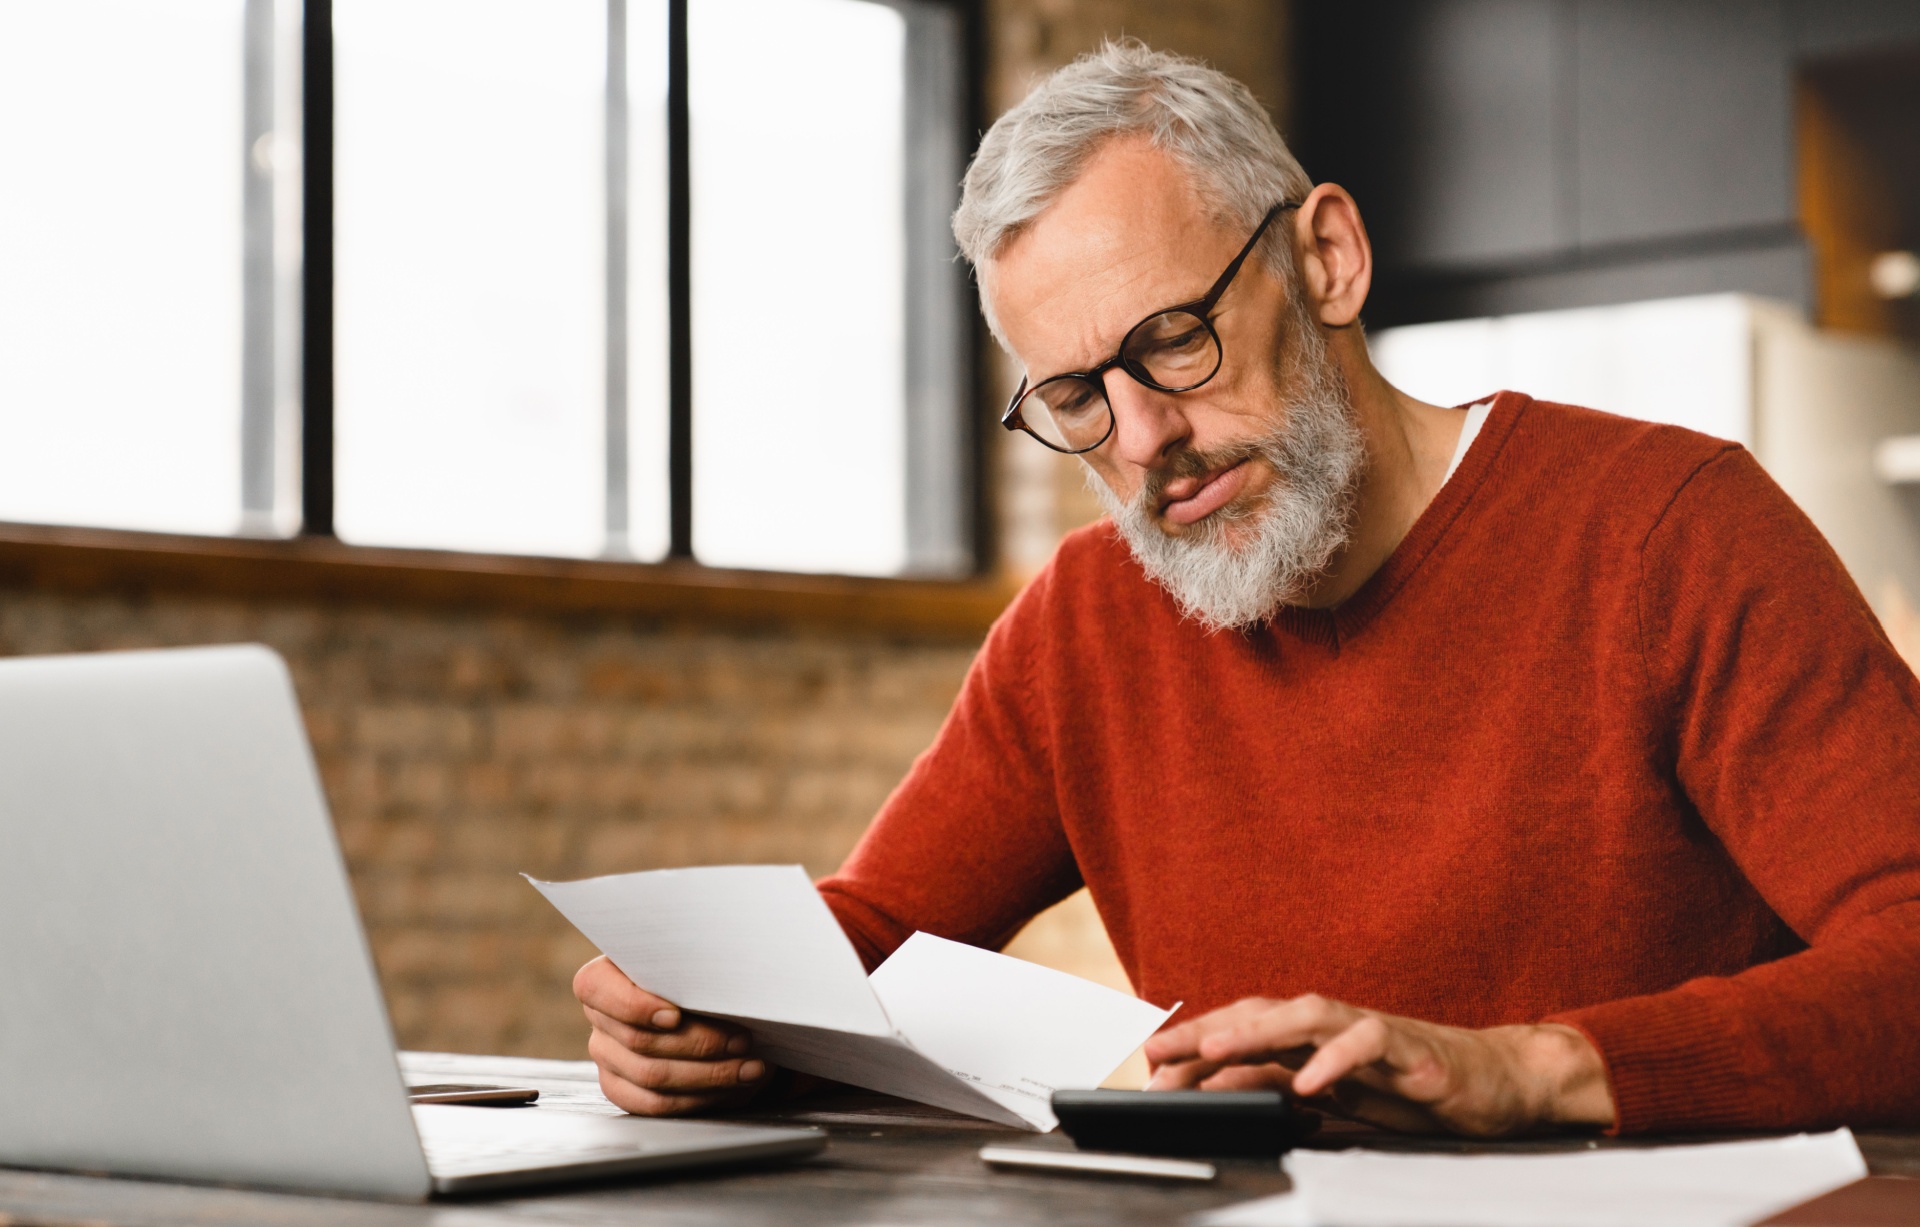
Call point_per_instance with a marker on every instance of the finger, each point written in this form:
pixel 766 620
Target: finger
pixel 1361 1044
pixel 670 1075
pixel 1280 1029
pixel 601 986
pixel 667 1075
pixel 1180 1075
pixel 643 1102
pixel 696 1039
pixel 1182 1043
pixel 1268 1077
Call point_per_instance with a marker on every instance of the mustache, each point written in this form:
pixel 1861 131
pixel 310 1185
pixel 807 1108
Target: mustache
pixel 1188 462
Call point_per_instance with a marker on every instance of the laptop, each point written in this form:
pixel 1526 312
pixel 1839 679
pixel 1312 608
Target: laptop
pixel 185 989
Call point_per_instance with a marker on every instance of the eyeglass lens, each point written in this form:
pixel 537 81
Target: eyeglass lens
pixel 1172 352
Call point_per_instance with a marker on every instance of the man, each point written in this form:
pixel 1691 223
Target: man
pixel 1484 770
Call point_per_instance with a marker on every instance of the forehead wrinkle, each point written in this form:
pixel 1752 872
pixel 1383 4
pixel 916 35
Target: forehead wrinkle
pixel 1091 313
pixel 1117 245
pixel 1102 323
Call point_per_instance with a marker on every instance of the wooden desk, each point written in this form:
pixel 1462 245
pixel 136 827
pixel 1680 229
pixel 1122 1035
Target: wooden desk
pixel 888 1163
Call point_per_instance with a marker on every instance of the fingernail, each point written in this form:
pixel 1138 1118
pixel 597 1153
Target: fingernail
pixel 751 1071
pixel 738 1045
pixel 666 1020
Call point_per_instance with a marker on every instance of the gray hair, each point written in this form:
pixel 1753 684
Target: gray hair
pixel 1205 119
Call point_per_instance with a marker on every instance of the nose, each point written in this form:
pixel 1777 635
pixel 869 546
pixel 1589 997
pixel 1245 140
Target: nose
pixel 1146 424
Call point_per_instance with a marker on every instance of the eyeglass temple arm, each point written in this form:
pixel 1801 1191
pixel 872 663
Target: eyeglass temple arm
pixel 1010 417
pixel 1226 279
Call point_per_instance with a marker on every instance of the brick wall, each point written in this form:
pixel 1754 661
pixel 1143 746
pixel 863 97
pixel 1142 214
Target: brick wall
pixel 459 751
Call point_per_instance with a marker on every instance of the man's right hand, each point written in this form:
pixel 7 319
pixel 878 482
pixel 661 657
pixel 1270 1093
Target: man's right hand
pixel 656 1060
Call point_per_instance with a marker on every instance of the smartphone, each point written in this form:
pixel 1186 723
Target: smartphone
pixel 463 1092
pixel 1083 1162
pixel 1248 1123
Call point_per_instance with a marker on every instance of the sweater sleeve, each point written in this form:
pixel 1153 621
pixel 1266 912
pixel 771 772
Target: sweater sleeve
pixel 1794 730
pixel 969 846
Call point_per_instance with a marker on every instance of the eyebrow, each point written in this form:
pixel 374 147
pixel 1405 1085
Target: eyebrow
pixel 1207 301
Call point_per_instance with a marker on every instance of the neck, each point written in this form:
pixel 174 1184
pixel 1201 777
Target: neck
pixel 1409 444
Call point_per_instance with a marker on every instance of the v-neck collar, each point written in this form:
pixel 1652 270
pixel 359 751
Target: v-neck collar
pixel 1332 627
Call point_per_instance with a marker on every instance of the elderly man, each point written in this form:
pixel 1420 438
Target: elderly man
pixel 1485 769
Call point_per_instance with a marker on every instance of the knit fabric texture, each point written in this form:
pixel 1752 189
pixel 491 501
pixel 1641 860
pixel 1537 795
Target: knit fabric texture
pixel 1611 739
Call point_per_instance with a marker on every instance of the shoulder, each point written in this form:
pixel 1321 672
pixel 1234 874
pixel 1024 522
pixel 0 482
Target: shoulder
pixel 1592 446
pixel 1602 468
pixel 1698 514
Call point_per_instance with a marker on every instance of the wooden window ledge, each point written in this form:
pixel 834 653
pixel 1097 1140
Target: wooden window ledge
pixel 93 560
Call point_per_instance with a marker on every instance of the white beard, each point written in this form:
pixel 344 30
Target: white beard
pixel 1317 455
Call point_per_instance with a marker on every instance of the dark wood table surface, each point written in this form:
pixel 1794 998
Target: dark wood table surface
pixel 889 1164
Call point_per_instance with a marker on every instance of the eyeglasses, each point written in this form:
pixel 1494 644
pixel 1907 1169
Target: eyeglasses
pixel 1175 350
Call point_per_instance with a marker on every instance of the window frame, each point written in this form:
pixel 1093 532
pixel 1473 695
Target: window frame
pixel 947 518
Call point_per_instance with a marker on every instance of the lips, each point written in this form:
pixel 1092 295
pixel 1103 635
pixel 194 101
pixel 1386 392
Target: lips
pixel 1188 500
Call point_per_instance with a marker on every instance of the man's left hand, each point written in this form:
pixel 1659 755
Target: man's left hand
pixel 1396 1072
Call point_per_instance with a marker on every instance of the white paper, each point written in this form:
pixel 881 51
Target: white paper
pixel 939 1022
pixel 750 940
pixel 1018 1030
pixel 1722 1184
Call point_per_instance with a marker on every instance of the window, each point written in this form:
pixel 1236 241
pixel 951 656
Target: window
pixel 799 302
pixel 146 240
pixel 469 274
pixel 591 278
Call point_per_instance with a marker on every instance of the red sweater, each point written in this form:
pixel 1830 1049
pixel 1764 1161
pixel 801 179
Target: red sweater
pixel 1610 740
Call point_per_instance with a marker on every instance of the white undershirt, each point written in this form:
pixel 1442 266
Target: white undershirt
pixel 1469 431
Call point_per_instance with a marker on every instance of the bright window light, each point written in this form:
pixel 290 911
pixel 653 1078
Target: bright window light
pixel 1683 361
pixel 647 528
pixel 469 304
pixel 121 163
pixel 799 427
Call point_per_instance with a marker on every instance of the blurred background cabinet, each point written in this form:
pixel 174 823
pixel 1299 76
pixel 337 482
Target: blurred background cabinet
pixel 1520 155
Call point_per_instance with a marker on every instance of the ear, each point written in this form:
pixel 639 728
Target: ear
pixel 1331 251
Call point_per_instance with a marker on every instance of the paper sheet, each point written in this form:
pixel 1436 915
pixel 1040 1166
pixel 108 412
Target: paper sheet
pixel 939 1022
pixel 750 940
pixel 1018 1030
pixel 1724 1184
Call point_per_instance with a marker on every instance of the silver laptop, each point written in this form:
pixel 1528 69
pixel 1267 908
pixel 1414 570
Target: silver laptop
pixel 185 990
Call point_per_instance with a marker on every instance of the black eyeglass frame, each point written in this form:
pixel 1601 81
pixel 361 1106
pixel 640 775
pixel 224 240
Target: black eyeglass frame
pixel 1200 308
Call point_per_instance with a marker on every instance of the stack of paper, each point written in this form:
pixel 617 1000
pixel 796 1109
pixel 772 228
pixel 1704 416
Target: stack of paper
pixel 1726 1184
pixel 939 1022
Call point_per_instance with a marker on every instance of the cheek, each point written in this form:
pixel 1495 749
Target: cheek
pixel 1122 479
pixel 1252 394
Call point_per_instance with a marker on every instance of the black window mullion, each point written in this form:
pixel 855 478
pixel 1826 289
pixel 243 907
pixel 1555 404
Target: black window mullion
pixel 679 291
pixel 316 283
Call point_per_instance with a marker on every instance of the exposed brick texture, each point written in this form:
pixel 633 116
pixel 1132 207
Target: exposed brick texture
pixel 458 751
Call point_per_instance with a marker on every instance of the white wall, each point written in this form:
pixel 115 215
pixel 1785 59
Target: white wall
pixel 1686 361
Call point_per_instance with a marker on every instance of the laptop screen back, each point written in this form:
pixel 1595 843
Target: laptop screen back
pixel 185 990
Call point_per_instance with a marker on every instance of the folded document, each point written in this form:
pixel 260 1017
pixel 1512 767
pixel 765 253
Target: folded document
pixel 939 1022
